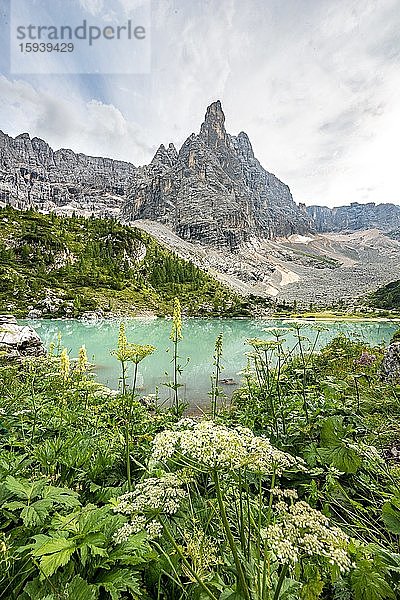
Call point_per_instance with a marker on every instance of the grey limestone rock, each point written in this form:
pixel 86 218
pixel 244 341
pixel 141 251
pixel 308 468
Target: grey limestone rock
pixel 32 175
pixel 391 362
pixel 355 216
pixel 19 340
pixel 214 190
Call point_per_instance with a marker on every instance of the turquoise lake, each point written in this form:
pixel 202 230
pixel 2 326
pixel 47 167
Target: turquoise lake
pixel 197 345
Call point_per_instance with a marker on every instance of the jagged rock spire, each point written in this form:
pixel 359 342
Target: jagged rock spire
pixel 212 130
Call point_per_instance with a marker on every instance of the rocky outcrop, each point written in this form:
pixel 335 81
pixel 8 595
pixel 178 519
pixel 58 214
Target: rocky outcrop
pixel 19 340
pixel 214 190
pixel 354 217
pixel 33 175
pixel 391 360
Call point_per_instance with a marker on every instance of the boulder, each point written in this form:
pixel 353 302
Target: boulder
pixel 391 360
pixel 19 340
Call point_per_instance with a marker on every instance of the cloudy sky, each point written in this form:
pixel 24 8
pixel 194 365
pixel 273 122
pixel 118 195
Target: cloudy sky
pixel 314 83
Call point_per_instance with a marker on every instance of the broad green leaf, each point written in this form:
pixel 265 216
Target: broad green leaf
pixel 36 513
pixel 312 590
pixel 49 563
pixel 15 505
pixel 391 517
pixel 62 496
pixel 54 553
pixel 20 488
pixel 331 431
pixel 118 581
pixel 341 457
pixel 368 584
pixel 79 589
pixel 54 545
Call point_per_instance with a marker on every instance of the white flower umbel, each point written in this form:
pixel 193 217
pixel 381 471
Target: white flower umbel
pixel 301 531
pixel 214 446
pixel 157 494
pixel 152 528
pixel 128 529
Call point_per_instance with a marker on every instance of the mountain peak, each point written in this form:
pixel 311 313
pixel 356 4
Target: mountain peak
pixel 213 128
pixel 164 156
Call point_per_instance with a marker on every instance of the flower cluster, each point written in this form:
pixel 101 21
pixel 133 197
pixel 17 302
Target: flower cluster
pixel 156 494
pixel 130 352
pixel 64 365
pixel 301 531
pixel 176 331
pixel 279 493
pixel 202 553
pixel 366 359
pixel 264 344
pixel 216 446
pixel 153 529
pixel 82 363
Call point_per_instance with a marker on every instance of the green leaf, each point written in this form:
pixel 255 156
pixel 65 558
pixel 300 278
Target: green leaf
pixel 79 589
pixel 312 590
pixel 391 517
pixel 63 496
pixel 54 553
pixel 342 458
pixel 14 505
pixel 20 488
pixel 35 590
pixel 313 586
pixel 51 562
pixel 332 431
pixel 368 584
pixel 231 595
pixel 36 513
pixel 53 545
pixel 118 581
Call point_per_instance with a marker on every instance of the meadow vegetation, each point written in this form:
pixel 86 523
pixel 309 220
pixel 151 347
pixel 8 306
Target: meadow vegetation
pixel 66 266
pixel 290 490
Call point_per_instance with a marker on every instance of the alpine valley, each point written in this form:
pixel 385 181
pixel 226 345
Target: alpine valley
pixel 213 204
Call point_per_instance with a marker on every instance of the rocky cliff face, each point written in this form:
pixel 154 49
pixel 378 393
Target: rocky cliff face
pixel 214 190
pixel 354 217
pixel 33 175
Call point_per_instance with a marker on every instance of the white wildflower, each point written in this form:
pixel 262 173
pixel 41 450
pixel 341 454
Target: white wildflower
pixel 303 531
pixel 161 494
pixel 279 493
pixel 128 529
pixel 154 529
pixel 216 446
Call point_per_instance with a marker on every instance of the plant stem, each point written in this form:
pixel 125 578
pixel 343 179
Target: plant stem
pixel 176 396
pixel 241 578
pixel 280 582
pixel 128 432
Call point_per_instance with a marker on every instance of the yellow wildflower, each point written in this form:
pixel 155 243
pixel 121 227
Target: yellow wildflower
pixel 82 363
pixel 64 364
pixel 176 331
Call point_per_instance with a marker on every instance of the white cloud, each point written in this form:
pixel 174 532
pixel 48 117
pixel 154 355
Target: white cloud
pixel 69 122
pixel 314 84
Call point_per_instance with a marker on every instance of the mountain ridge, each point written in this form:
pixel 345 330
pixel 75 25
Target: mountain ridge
pixel 212 190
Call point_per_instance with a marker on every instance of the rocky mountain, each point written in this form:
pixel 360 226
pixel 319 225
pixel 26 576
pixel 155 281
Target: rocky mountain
pixel 33 175
pixel 385 217
pixel 214 190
